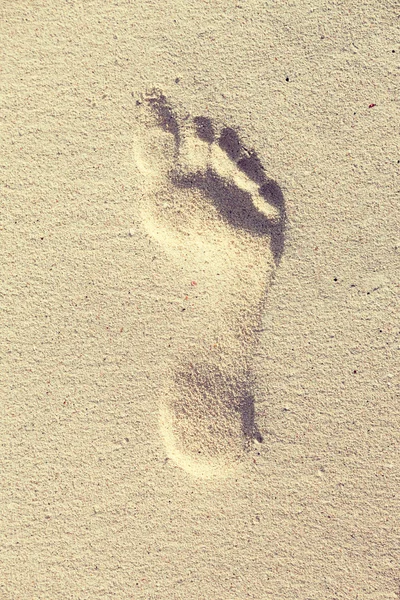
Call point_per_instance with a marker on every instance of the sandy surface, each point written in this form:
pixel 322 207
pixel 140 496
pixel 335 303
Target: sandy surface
pixel 125 314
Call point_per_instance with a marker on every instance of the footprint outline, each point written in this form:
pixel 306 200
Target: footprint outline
pixel 188 172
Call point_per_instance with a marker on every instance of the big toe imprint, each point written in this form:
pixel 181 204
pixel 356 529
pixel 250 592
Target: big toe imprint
pixel 209 204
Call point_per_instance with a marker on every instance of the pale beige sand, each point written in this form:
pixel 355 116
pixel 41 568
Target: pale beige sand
pixel 132 297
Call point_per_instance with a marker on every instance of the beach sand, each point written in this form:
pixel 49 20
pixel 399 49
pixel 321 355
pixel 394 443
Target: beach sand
pixel 200 301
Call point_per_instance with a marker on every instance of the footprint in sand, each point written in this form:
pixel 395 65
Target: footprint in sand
pixel 208 203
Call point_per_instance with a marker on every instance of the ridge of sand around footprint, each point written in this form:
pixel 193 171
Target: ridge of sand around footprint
pixel 208 204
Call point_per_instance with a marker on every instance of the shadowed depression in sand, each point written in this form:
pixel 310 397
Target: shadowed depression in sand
pixel 210 206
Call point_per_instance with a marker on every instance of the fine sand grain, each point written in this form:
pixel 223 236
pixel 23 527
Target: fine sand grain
pixel 200 258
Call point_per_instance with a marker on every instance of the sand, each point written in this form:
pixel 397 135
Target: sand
pixel 200 301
